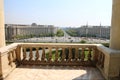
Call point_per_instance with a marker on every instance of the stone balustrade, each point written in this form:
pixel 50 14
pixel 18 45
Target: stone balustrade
pixel 110 67
pixel 8 59
pixel 59 54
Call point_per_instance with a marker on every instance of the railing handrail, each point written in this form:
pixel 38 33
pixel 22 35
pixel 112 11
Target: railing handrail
pixel 56 45
pixel 6 49
pixel 108 51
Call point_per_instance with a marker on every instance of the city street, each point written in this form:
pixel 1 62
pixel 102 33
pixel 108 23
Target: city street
pixel 50 39
pixel 63 40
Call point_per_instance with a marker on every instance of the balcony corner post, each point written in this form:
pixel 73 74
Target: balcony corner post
pixel 2 30
pixel 18 56
pixel 115 26
pixel 114 68
pixel 1 77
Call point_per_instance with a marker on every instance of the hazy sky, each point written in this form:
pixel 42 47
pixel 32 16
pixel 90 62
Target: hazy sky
pixel 58 12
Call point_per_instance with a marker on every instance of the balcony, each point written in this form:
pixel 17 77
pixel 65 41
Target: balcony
pixel 51 61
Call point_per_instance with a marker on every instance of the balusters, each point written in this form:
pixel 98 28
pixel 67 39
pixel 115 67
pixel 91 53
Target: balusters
pixel 56 55
pixel 31 55
pixel 18 53
pixel 10 58
pixel 95 55
pixel 63 54
pixel 83 54
pixel 24 54
pixel 70 54
pixel 89 54
pixel 14 55
pixel 37 54
pixel 50 54
pixel 99 58
pixel 102 60
pixel 76 54
pixel 43 54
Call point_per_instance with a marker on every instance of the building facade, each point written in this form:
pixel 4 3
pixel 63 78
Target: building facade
pixel 94 31
pixel 14 30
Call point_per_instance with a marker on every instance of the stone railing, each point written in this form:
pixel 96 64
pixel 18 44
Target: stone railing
pixel 8 59
pixel 110 67
pixel 60 54
pixel 57 54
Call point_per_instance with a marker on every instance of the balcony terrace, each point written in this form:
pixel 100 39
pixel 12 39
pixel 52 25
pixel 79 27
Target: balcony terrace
pixel 34 61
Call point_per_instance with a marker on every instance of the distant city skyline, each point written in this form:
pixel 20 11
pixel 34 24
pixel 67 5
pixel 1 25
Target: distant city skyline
pixel 64 13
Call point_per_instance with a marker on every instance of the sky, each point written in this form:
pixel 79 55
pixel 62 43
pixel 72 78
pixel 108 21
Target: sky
pixel 62 13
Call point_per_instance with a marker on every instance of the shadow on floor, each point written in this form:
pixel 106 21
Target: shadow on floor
pixel 92 73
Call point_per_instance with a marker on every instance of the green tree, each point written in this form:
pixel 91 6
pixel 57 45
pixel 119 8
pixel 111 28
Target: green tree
pixel 82 41
pixel 60 33
pixel 72 32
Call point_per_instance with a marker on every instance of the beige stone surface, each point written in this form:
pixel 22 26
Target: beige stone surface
pixel 5 68
pixel 55 73
pixel 115 26
pixel 112 58
pixel 2 32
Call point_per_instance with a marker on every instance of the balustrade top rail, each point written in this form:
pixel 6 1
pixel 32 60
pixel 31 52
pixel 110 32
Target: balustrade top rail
pixel 56 44
pixel 6 49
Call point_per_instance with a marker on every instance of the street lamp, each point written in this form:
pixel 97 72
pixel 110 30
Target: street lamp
pixel 56 40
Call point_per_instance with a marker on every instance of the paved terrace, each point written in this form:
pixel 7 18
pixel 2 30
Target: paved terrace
pixel 55 73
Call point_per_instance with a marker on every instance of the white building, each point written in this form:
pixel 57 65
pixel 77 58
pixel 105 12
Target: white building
pixel 13 30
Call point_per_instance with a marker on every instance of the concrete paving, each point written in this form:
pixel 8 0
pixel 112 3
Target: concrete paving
pixel 55 73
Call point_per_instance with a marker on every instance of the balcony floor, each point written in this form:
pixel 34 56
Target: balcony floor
pixel 55 73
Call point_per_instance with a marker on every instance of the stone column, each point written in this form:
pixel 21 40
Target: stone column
pixel 2 32
pixel 115 26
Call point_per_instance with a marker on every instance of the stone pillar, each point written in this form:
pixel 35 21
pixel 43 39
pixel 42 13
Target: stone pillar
pixel 115 26
pixel 2 32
